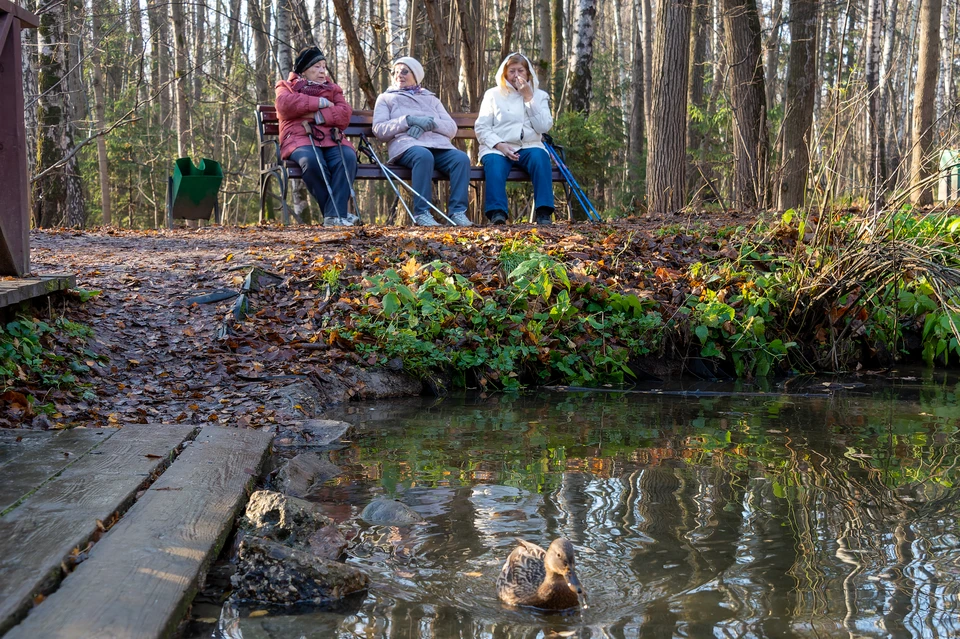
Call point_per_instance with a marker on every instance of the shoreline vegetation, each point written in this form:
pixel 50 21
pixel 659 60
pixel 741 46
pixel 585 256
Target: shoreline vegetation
pixel 710 296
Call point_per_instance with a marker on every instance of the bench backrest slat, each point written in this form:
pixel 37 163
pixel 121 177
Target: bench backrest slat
pixel 361 122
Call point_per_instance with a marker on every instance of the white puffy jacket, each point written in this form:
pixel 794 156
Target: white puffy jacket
pixel 505 117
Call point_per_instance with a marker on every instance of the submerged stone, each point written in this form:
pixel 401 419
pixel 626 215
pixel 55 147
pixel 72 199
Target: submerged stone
pixel 305 472
pixel 382 511
pixel 272 574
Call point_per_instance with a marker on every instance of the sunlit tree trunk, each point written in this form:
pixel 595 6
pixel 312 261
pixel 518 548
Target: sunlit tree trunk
pixel 647 29
pixel 696 100
pixel 798 116
pixel 772 53
pixel 58 196
pixel 581 57
pixel 637 118
pixel 922 162
pixel 889 140
pixel 100 109
pixel 394 27
pixel 748 102
pixel 184 142
pixel 666 158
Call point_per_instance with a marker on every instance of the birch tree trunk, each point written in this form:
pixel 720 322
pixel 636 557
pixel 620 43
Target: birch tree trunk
pixel 748 102
pixel 888 140
pixel 666 158
pixel 648 35
pixel 284 51
pixel 199 39
pixel 773 53
pixel 620 50
pixel 58 196
pixel 100 110
pixel 160 57
pixel 580 74
pixel 798 116
pixel 467 16
pixel 922 162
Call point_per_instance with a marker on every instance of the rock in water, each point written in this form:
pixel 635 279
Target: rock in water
pixel 389 512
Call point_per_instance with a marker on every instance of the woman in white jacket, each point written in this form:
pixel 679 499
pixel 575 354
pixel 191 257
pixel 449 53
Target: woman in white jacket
pixel 513 116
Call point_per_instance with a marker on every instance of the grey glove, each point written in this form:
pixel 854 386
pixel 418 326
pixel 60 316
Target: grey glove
pixel 318 118
pixel 425 122
pixel 324 103
pixel 415 131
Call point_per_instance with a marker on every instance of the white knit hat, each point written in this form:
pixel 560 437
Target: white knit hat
pixel 413 65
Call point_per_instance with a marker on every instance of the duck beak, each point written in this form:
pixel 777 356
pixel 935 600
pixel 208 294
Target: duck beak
pixel 574 582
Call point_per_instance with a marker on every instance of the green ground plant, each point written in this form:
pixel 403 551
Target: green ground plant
pixel 44 354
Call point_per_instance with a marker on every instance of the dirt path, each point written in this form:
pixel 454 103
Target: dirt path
pixel 167 363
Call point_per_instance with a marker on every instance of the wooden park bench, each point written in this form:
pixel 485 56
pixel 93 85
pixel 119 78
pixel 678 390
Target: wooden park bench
pixel 361 123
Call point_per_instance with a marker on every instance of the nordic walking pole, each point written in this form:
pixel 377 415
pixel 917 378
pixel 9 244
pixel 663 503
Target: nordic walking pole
pixel 386 171
pixel 582 198
pixel 323 170
pixel 572 181
pixel 337 136
pixel 367 150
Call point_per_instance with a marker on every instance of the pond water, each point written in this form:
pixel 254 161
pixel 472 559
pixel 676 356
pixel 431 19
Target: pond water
pixel 807 509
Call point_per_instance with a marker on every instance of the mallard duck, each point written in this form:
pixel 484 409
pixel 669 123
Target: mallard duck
pixel 540 579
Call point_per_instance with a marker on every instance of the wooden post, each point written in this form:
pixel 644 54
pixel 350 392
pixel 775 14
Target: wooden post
pixel 14 208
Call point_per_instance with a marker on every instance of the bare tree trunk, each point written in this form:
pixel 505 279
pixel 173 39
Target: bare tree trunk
pixel 666 159
pixel 184 142
pixel 888 140
pixel 748 102
pixel 801 87
pixel 467 16
pixel 556 53
pixel 546 45
pixel 773 53
pixel 447 59
pixel 58 196
pixel 904 132
pixel 579 72
pixel 285 53
pixel 137 51
pixel 200 37
pixel 637 118
pixel 100 109
pixel 506 43
pixel 345 15
pixel 413 9
pixel 875 163
pixel 160 56
pixel 696 98
pixel 922 162
pixel 261 51
pixel 621 49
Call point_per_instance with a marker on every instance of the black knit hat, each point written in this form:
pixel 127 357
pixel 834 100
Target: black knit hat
pixel 307 58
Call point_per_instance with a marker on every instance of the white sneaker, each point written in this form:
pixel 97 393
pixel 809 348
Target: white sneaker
pixel 460 219
pixel 337 221
pixel 425 219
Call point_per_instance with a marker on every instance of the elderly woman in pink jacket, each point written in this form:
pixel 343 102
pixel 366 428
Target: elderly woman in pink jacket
pixel 418 131
pixel 309 95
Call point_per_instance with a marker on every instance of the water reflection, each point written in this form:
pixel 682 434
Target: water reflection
pixel 724 515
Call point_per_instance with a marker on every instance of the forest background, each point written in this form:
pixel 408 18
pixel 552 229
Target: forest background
pixel 662 105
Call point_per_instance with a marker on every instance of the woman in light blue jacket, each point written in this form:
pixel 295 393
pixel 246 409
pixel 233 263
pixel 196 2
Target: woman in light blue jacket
pixel 513 117
pixel 418 130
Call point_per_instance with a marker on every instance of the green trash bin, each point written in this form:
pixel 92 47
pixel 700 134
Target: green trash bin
pixel 192 191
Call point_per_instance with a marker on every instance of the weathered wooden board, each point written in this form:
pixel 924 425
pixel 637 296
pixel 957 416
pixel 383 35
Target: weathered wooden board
pixel 39 456
pixel 141 577
pixel 13 291
pixel 36 536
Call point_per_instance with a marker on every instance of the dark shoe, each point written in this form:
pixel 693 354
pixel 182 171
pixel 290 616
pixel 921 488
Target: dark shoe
pixel 544 215
pixel 497 217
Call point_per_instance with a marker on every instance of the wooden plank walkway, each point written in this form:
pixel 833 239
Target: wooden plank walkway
pixel 27 464
pixel 19 289
pixel 40 533
pixel 142 575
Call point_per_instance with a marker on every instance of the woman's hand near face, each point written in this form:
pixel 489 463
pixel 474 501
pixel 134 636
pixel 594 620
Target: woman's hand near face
pixel 524 88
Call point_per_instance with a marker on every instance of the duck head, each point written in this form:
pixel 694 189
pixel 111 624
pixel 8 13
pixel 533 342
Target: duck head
pixel 560 561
